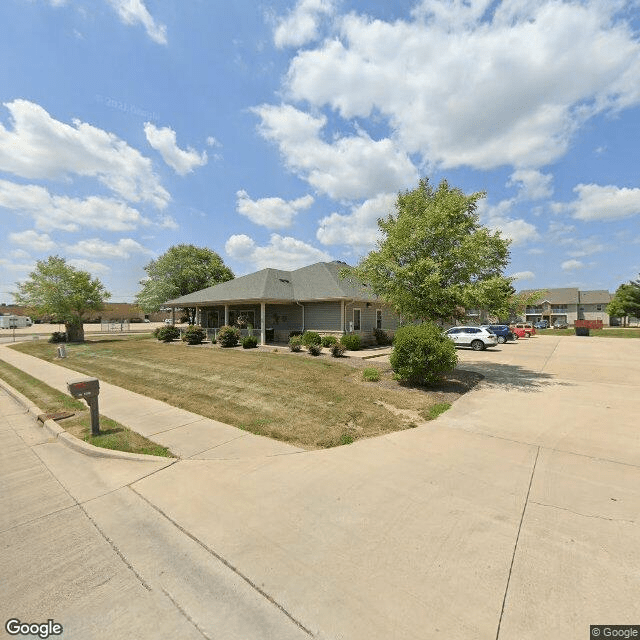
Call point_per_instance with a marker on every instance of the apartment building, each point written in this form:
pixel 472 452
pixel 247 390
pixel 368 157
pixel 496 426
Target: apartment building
pixel 569 304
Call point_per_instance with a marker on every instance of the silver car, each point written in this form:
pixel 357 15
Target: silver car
pixel 478 338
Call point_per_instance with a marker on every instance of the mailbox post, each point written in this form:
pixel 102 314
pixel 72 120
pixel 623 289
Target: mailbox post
pixel 88 389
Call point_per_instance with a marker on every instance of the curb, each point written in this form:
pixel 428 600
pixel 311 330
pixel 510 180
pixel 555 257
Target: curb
pixel 71 441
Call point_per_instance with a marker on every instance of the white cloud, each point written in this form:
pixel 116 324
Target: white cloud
pixel 96 248
pixel 274 213
pixel 281 253
pixel 571 265
pixel 44 148
pixel 134 12
pixel 301 24
pixel 523 275
pixel 497 218
pixel 70 214
pixel 212 142
pixel 585 247
pixel 163 140
pixel 351 167
pixel 596 202
pixel 533 184
pixel 359 229
pixel 88 265
pixel 32 239
pixel 477 83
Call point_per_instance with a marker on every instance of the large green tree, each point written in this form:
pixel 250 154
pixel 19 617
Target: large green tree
pixel 626 301
pixel 182 269
pixel 435 259
pixel 66 294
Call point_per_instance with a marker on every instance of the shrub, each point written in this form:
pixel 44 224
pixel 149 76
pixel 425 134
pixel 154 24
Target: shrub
pixel 194 334
pixel 327 341
pixel 351 341
pixel 337 350
pixel 58 336
pixel 168 333
pixel 155 332
pixel 295 333
pixel 295 342
pixel 371 374
pixel 311 337
pixel 314 349
pixel 382 338
pixel 228 336
pixel 422 354
pixel 250 342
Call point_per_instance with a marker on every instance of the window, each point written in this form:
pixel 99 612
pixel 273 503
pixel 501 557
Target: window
pixel 598 307
pixel 378 318
pixel 356 319
pixel 242 318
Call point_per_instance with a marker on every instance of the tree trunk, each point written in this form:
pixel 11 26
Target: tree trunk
pixel 75 331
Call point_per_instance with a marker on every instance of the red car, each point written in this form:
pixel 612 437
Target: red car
pixel 519 332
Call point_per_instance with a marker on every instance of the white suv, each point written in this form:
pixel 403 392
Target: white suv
pixel 478 338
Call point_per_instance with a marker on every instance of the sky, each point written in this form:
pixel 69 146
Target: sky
pixel 276 133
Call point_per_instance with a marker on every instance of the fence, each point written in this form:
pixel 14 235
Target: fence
pixel 114 327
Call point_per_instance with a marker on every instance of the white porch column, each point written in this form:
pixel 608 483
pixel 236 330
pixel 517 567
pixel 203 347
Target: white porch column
pixel 226 315
pixel 263 321
pixel 197 318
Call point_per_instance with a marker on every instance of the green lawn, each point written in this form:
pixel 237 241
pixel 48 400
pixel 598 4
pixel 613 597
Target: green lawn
pixel 112 434
pixel 613 332
pixel 309 402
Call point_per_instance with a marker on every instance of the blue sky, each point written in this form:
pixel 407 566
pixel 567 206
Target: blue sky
pixel 276 133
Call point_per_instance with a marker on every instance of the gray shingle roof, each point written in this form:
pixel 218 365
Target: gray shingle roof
pixel 565 295
pixel 320 281
pixel 595 297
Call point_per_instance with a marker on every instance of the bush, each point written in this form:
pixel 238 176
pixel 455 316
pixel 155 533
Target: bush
pixel 58 336
pixel 228 336
pixel 295 342
pixel 327 341
pixel 382 338
pixel 314 349
pixel 155 332
pixel 370 374
pixel 337 350
pixel 311 337
pixel 250 342
pixel 422 354
pixel 168 333
pixel 295 333
pixel 194 334
pixel 351 341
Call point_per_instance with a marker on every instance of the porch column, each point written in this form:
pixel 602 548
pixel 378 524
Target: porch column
pixel 263 321
pixel 197 318
pixel 226 315
pixel 343 315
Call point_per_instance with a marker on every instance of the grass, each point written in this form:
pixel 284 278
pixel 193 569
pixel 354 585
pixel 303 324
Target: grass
pixel 309 402
pixel 435 410
pixel 613 332
pixel 112 434
pixel 371 374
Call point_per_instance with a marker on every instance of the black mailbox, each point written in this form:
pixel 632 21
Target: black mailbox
pixel 88 389
pixel 84 388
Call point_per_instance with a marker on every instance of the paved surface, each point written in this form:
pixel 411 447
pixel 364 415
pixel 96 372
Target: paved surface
pixel 515 515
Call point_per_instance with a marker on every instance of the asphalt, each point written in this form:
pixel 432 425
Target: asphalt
pixel 516 514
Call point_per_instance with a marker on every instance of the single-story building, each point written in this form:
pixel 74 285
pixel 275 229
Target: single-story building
pixel 276 302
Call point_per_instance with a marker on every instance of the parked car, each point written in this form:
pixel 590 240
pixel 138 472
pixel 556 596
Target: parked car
pixel 518 332
pixel 478 338
pixel 502 331
pixel 529 329
pixel 541 324
pixel 560 324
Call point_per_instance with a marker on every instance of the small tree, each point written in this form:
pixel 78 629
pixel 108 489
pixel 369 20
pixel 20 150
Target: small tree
pixel 626 301
pixel 435 259
pixel 182 269
pixel 59 290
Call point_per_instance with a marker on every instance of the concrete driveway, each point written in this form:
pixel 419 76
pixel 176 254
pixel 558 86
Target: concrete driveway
pixel 515 515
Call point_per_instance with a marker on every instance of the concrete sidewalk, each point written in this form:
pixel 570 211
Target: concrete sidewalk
pixel 187 434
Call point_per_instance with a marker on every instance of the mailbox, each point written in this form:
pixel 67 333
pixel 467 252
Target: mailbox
pixel 84 388
pixel 88 389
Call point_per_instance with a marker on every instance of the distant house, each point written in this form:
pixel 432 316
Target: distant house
pixel 570 304
pixel 276 302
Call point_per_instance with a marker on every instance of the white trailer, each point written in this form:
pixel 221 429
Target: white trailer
pixel 14 322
